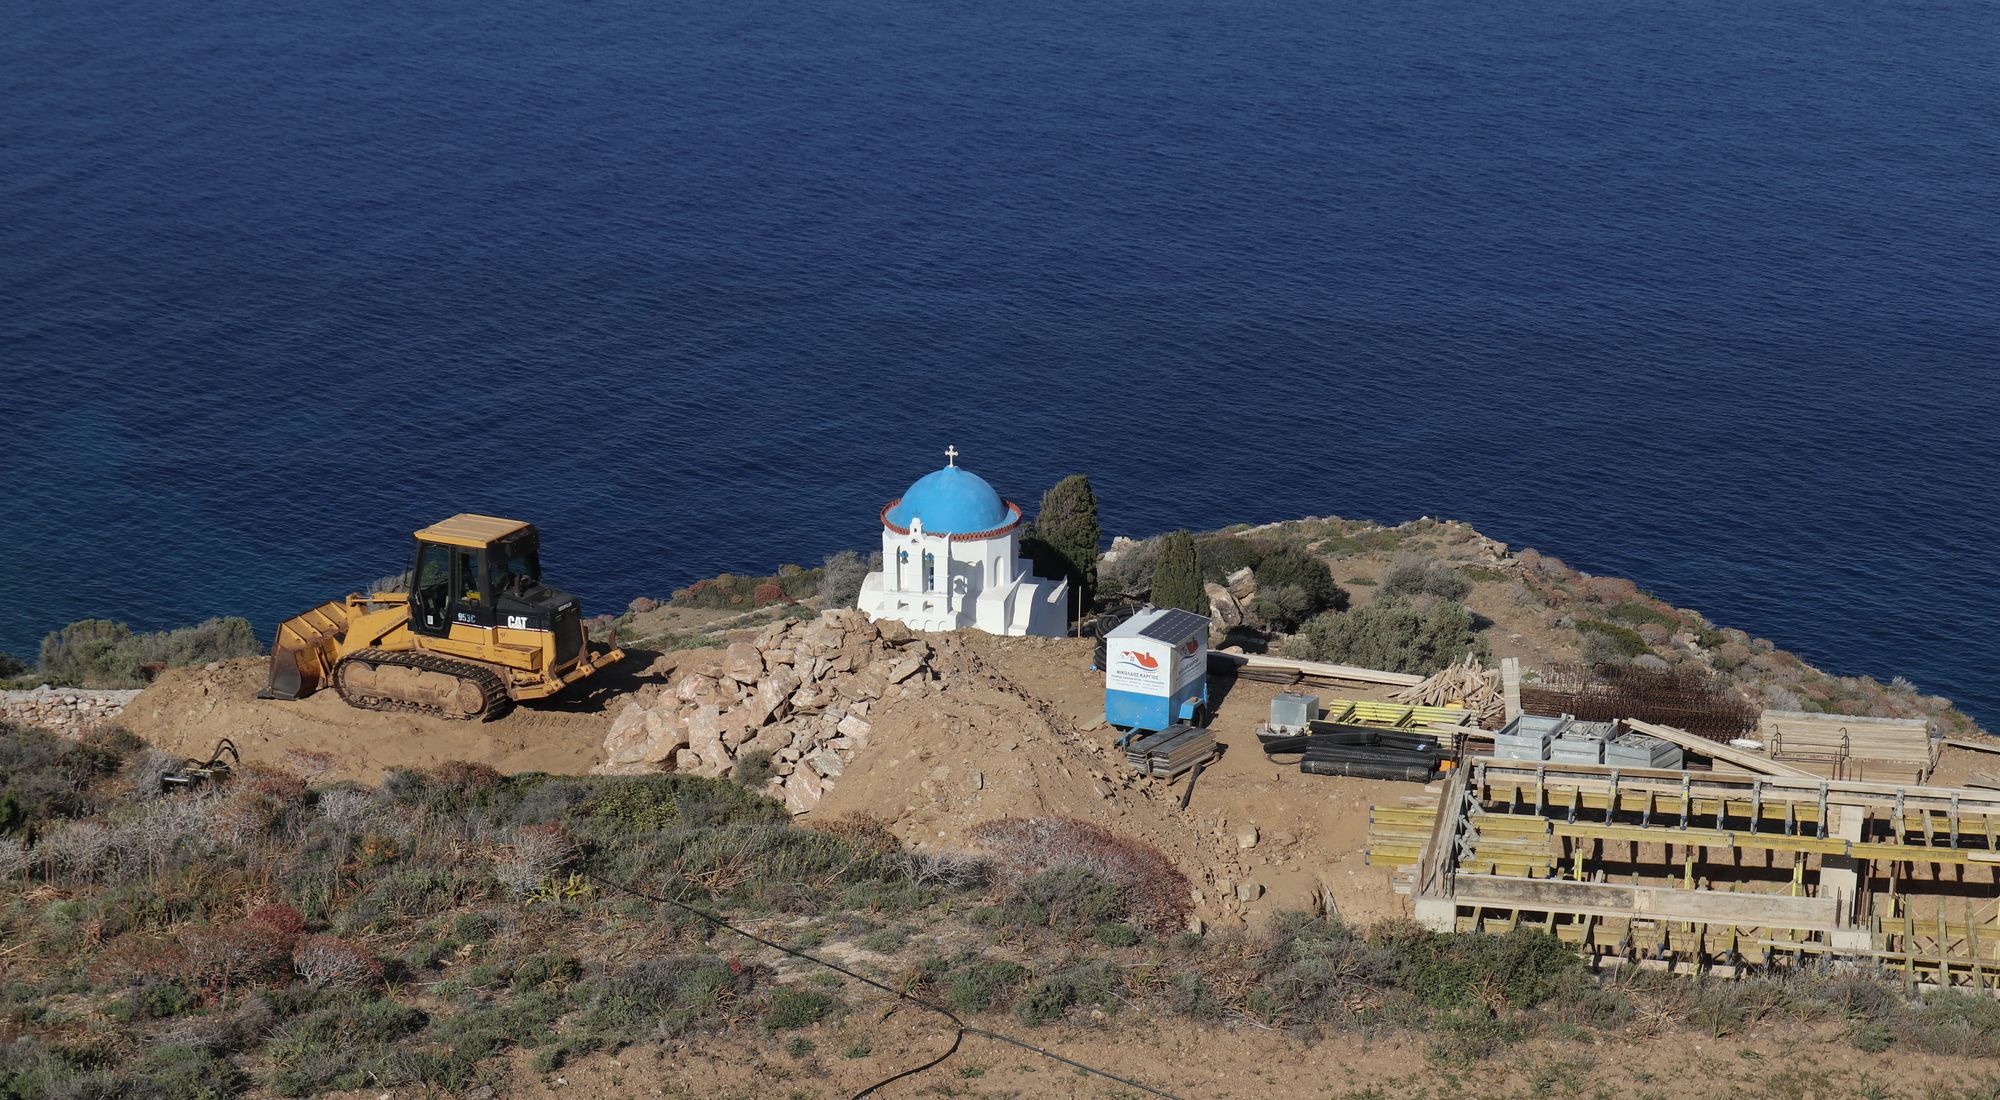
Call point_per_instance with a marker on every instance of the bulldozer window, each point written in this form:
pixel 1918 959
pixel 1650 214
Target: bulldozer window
pixel 468 575
pixel 433 585
pixel 515 561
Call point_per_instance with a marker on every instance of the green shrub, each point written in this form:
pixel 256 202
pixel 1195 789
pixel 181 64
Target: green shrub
pixel 181 1071
pixel 1117 934
pixel 44 776
pixel 977 986
pixel 1622 640
pixel 1222 554
pixel 1065 896
pixel 1293 586
pixel 790 1009
pixel 672 995
pixel 1462 971
pixel 102 653
pixel 1393 635
pixel 1048 1000
pixel 1413 576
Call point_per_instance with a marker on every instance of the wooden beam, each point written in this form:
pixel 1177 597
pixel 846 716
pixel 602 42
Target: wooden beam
pixel 1973 746
pixel 1716 750
pixel 1315 669
pixel 1660 903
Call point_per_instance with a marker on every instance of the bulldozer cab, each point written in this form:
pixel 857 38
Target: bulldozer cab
pixel 466 567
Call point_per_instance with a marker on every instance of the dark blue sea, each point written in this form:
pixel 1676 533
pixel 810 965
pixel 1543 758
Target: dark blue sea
pixel 1700 292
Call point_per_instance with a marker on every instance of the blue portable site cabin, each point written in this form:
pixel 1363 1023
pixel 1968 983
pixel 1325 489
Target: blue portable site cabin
pixel 1156 670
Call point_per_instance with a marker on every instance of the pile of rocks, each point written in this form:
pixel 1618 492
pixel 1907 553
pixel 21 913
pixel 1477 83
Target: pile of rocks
pixel 63 710
pixel 802 691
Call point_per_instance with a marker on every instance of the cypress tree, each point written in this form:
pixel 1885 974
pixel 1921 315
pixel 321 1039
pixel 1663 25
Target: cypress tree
pixel 1067 525
pixel 1177 575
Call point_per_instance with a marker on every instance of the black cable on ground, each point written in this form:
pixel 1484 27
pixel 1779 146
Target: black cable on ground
pixel 962 1028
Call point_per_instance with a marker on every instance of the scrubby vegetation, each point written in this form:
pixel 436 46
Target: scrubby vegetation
pixel 730 591
pixel 1399 635
pixel 101 653
pixel 279 938
pixel 840 579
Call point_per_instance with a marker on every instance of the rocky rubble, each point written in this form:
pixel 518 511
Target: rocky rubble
pixel 63 710
pixel 803 691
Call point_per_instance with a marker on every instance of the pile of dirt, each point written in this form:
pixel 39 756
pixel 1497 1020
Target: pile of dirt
pixel 801 692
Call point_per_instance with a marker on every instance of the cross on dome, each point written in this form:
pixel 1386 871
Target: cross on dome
pixel 951 455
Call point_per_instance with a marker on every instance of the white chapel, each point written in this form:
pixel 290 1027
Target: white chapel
pixel 951 558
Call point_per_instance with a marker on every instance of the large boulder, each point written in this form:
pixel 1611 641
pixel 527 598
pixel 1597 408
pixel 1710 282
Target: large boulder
pixel 743 663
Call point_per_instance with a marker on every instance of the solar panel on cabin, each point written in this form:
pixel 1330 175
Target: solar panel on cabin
pixel 1175 625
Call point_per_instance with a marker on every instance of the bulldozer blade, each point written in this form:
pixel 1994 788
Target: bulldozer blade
pixel 288 681
pixel 303 653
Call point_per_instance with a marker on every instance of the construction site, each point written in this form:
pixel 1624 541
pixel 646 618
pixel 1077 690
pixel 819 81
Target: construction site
pixel 1263 817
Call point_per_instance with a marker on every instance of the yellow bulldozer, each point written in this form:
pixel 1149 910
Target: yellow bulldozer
pixel 477 630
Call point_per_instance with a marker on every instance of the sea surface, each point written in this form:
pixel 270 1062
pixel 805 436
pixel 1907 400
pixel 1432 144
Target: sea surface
pixel 1695 291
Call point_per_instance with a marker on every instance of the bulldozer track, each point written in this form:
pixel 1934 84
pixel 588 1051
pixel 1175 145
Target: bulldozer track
pixel 492 691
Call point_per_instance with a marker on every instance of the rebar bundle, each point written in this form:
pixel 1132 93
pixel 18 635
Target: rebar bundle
pixel 1689 698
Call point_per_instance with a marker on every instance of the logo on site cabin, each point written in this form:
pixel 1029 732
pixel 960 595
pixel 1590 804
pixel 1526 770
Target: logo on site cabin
pixel 1143 661
pixel 1190 646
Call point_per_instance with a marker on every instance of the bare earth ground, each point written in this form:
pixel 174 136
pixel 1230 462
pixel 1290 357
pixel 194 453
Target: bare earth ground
pixel 1239 1062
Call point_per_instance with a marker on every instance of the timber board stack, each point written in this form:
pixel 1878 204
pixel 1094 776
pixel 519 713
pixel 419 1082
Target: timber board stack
pixel 1841 746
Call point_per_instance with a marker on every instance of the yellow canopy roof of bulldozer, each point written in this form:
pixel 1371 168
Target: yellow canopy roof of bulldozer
pixel 466 529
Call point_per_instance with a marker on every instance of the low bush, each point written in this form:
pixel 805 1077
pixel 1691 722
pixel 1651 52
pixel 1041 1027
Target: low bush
pixel 102 653
pixel 1129 575
pixel 1293 586
pixel 1613 640
pixel 1050 999
pixel 1149 889
pixel 1395 635
pixel 44 776
pixel 791 1009
pixel 1224 554
pixel 1410 575
pixel 729 591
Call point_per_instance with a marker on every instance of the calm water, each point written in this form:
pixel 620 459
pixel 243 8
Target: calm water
pixel 1697 292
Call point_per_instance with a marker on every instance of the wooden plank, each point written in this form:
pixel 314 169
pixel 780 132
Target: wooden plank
pixel 1313 668
pixel 1662 903
pixel 1716 750
pixel 1973 746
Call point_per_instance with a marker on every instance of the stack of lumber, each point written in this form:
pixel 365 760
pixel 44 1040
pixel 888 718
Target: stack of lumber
pixel 1467 684
pixel 1171 751
pixel 1397 835
pixel 1841 746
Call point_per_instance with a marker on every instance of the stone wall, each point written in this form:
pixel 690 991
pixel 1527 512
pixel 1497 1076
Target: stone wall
pixel 65 710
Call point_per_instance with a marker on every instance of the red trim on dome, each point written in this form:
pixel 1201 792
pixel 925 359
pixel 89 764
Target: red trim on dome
pixel 968 536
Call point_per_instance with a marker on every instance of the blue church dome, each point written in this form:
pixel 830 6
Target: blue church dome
pixel 951 501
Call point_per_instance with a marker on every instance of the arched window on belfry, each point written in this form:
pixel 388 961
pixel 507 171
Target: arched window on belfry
pixel 930 571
